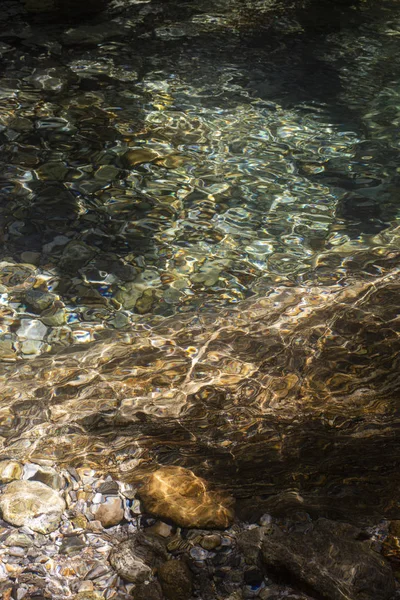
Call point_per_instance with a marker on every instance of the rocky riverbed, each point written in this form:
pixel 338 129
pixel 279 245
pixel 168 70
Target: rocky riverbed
pixel 199 300
pixel 72 533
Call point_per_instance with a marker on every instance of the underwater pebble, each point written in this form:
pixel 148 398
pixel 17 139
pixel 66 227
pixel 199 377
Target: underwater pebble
pixel 32 329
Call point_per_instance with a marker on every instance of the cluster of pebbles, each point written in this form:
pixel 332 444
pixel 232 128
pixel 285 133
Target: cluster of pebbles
pixel 71 533
pixel 67 534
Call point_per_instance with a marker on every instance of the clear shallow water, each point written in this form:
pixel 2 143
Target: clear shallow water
pixel 190 167
pixel 156 179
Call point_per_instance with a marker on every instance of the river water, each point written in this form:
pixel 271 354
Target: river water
pixel 194 198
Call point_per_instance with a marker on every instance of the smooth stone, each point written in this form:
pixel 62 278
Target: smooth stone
pixel 86 586
pixel 54 316
pixel 71 545
pixel 139 156
pixel 249 543
pixel 210 542
pixel 39 300
pixel 176 580
pixel 32 329
pixel 9 471
pixel 110 513
pixel 19 539
pixel 177 494
pixel 106 173
pixel 161 528
pixel 31 347
pixel 32 258
pixel 52 171
pixel 135 558
pixel 32 504
pixel 329 558
pixel 89 596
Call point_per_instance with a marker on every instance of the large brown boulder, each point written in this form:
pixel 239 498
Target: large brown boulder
pixel 177 494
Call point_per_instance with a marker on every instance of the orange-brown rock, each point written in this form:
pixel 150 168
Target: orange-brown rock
pixel 110 513
pixel 178 494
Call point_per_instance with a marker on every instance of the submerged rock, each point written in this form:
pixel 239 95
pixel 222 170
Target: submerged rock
pixel 39 300
pixel 46 475
pixel 9 471
pixel 148 591
pixel 32 504
pixel 136 558
pixel 177 494
pixel 110 513
pixel 176 580
pixel 329 558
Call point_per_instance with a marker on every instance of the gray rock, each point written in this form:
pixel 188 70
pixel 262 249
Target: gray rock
pixel 329 558
pixel 30 347
pixel 29 257
pixel 249 543
pixel 31 504
pixel 46 475
pixel 31 329
pixel 55 316
pixel 135 559
pixel 75 255
pixel 19 539
pixel 39 300
pixel 72 545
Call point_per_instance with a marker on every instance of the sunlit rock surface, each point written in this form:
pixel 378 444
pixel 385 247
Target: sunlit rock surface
pixel 177 494
pixel 292 397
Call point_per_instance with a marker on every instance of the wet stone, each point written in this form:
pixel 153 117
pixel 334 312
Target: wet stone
pixel 162 529
pixel 32 258
pixel 176 580
pixel 139 156
pixel 31 347
pixel 46 475
pixel 177 494
pixel 210 542
pixel 72 545
pixel 32 329
pixel 109 488
pixel 33 504
pixel 55 316
pixel 52 171
pixel 19 539
pixel 75 255
pixel 10 470
pixel 39 300
pixel 135 559
pixel 7 350
pixel 110 513
pixel 330 558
